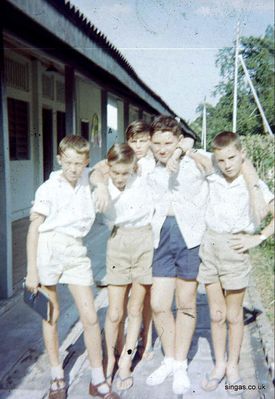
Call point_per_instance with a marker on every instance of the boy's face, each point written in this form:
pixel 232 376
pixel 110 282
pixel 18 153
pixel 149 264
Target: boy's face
pixel 140 144
pixel 163 145
pixel 120 173
pixel 229 161
pixel 72 165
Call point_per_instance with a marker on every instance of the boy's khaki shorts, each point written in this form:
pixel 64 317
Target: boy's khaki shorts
pixel 129 256
pixel 219 262
pixel 63 259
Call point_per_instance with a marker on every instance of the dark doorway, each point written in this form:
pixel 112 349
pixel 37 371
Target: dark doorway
pixel 47 142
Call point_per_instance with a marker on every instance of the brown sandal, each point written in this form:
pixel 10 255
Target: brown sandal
pixel 60 392
pixel 93 391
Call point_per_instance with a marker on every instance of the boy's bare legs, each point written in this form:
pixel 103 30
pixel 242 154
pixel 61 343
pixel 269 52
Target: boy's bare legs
pixel 116 295
pixel 135 307
pixel 147 326
pixel 234 307
pixel 162 295
pixel 84 301
pixel 50 333
pixel 186 298
pixel 217 308
pixel 121 330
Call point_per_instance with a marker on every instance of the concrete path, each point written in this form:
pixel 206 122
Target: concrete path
pixel 24 368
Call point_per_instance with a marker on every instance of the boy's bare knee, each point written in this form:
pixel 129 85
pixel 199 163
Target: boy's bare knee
pixel 134 310
pixel 115 315
pixel 89 320
pixel 234 317
pixel 217 316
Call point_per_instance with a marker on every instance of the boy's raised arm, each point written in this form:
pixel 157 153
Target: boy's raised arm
pixel 259 207
pixel 183 146
pixel 32 279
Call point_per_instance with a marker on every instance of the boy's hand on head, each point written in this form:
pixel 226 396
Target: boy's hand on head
pixel 243 242
pixel 102 197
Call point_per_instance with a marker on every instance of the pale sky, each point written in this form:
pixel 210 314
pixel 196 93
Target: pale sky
pixel 172 44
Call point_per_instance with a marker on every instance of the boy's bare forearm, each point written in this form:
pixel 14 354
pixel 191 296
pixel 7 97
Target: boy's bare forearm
pixel 32 244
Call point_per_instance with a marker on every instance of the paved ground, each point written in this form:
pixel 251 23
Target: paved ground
pixel 24 370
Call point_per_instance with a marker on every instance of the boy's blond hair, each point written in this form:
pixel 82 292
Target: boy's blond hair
pixel 225 139
pixel 121 153
pixel 77 143
pixel 137 127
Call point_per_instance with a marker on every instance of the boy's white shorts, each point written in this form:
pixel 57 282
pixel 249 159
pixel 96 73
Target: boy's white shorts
pixel 63 259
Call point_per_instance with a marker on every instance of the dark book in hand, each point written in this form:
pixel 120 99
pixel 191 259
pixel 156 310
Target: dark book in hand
pixel 39 302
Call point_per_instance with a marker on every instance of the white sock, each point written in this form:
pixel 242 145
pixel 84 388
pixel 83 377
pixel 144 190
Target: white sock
pixel 57 372
pixel 97 376
pixel 180 363
pixel 169 361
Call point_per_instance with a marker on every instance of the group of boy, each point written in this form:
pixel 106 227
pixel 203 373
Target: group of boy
pixel 191 209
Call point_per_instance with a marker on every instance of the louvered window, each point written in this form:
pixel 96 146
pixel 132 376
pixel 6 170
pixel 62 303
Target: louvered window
pixel 17 74
pixel 18 117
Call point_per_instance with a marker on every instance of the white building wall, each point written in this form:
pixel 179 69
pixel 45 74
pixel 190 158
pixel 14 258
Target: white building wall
pixel 88 102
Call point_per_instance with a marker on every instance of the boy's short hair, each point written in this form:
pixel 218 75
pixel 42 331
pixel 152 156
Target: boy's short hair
pixel 137 127
pixel 121 153
pixel 225 139
pixel 77 143
pixel 164 123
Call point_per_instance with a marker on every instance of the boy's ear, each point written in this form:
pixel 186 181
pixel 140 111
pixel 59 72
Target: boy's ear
pixel 58 158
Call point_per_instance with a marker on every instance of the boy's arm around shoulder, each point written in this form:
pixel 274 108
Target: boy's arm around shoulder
pixel 242 242
pixel 32 278
pixel 203 161
pixel 98 178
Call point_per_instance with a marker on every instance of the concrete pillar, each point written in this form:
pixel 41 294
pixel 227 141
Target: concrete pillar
pixel 37 123
pixel 104 100
pixel 70 100
pixel 5 201
pixel 140 114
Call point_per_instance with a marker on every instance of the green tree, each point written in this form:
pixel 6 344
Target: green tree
pixel 258 54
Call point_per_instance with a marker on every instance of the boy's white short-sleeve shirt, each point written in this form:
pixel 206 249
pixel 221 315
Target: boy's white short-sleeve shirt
pixel 186 192
pixel 132 207
pixel 68 210
pixel 228 208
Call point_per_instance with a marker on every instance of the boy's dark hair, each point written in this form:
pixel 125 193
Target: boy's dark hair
pixel 137 127
pixel 224 139
pixel 77 143
pixel 121 153
pixel 164 123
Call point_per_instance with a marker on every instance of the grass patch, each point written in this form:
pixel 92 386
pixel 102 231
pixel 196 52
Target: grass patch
pixel 263 272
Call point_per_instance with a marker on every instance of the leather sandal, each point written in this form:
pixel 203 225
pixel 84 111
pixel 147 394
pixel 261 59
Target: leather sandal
pixel 93 391
pixel 60 392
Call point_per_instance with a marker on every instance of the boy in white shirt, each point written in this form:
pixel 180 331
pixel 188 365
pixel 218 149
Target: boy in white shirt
pixel 225 266
pixel 178 226
pixel 62 214
pixel 129 255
